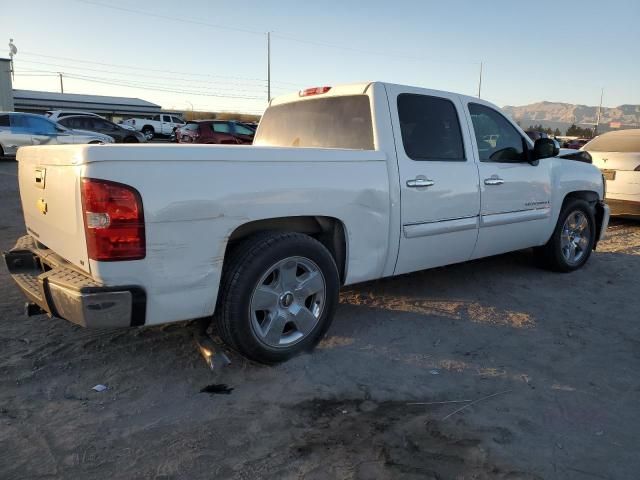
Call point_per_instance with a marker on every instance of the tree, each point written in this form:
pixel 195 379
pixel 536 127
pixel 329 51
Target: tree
pixel 557 132
pixel 575 131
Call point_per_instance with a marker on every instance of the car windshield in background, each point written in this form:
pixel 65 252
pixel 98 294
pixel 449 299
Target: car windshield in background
pixel 623 141
pixel 332 122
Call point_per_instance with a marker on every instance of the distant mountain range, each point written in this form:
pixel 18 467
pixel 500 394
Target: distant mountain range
pixel 562 115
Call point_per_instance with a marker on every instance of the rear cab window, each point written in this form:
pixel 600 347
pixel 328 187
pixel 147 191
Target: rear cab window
pixel 329 122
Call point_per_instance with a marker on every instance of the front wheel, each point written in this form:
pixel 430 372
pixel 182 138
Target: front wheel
pixel 572 241
pixel 277 296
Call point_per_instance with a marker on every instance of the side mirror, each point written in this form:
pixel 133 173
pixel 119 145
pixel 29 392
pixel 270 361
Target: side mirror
pixel 545 148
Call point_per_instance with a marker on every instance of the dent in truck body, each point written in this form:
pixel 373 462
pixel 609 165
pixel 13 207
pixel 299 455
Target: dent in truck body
pixel 188 226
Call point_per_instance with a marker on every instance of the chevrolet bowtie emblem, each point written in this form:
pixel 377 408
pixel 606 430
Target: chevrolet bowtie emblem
pixel 42 206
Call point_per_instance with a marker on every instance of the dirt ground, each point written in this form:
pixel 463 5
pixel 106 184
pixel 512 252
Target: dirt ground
pixel 551 360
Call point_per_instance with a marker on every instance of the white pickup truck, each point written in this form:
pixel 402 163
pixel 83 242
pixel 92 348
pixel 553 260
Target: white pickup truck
pixel 156 125
pixel 342 185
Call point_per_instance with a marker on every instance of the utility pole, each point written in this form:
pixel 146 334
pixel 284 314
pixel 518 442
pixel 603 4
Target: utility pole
pixel 61 84
pixel 268 66
pixel 595 130
pixel 480 81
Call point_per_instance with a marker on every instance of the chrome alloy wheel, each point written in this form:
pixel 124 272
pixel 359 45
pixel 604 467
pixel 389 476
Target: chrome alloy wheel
pixel 287 302
pixel 574 240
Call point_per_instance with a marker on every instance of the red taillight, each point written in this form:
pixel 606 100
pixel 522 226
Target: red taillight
pixel 113 221
pixel 313 91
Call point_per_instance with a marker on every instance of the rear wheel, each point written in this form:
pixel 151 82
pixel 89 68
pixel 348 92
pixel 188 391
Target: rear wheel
pixel 572 241
pixel 148 132
pixel 277 296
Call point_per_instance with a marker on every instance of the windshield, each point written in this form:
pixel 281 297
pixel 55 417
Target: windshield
pixel 331 122
pixel 623 141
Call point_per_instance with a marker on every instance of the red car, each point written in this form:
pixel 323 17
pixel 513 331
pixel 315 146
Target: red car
pixel 215 131
pixel 577 143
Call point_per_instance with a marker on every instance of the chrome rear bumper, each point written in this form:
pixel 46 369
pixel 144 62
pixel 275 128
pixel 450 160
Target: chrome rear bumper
pixel 62 291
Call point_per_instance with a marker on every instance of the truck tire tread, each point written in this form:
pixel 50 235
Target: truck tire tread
pixel 233 283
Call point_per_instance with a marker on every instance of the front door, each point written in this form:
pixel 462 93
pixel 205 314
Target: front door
pixel 440 198
pixel 516 195
pixel 43 131
pixel 17 134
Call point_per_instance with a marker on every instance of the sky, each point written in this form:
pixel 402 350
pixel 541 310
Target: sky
pixel 212 55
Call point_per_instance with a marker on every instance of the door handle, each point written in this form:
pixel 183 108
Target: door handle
pixel 493 180
pixel 420 182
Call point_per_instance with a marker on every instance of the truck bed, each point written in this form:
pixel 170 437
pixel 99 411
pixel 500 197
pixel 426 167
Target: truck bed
pixel 194 197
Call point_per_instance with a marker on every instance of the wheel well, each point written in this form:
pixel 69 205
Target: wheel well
pixel 592 198
pixel 327 230
pixel 586 195
pixel 148 127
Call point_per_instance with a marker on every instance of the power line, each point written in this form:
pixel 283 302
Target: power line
pixel 131 67
pixel 108 81
pixel 276 34
pixel 175 19
pixel 370 52
pixel 260 88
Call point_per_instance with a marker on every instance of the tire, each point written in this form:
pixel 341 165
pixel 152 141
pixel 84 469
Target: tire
pixel 576 226
pixel 148 132
pixel 130 140
pixel 263 309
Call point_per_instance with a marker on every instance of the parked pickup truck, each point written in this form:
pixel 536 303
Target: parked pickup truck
pixel 157 125
pixel 342 185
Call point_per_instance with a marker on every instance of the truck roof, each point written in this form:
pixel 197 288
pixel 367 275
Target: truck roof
pixel 355 89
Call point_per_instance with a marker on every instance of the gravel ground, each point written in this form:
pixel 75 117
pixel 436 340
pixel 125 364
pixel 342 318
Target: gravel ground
pixel 551 360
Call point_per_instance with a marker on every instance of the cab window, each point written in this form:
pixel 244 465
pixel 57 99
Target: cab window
pixel 40 125
pixel 430 128
pixel 221 127
pixel 242 130
pixel 497 138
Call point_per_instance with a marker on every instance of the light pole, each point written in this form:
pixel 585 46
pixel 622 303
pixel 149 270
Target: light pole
pixel 595 130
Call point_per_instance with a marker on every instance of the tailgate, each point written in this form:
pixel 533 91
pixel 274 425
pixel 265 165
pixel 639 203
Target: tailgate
pixel 49 179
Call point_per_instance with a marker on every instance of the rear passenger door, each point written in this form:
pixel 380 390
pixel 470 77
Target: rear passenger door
pixel 223 133
pixel 440 198
pixel 166 125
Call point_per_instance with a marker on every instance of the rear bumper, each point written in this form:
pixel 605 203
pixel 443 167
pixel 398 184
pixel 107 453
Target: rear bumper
pixel 628 208
pixel 62 291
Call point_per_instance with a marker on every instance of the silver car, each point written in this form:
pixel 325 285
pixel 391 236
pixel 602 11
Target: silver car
pixel 21 129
